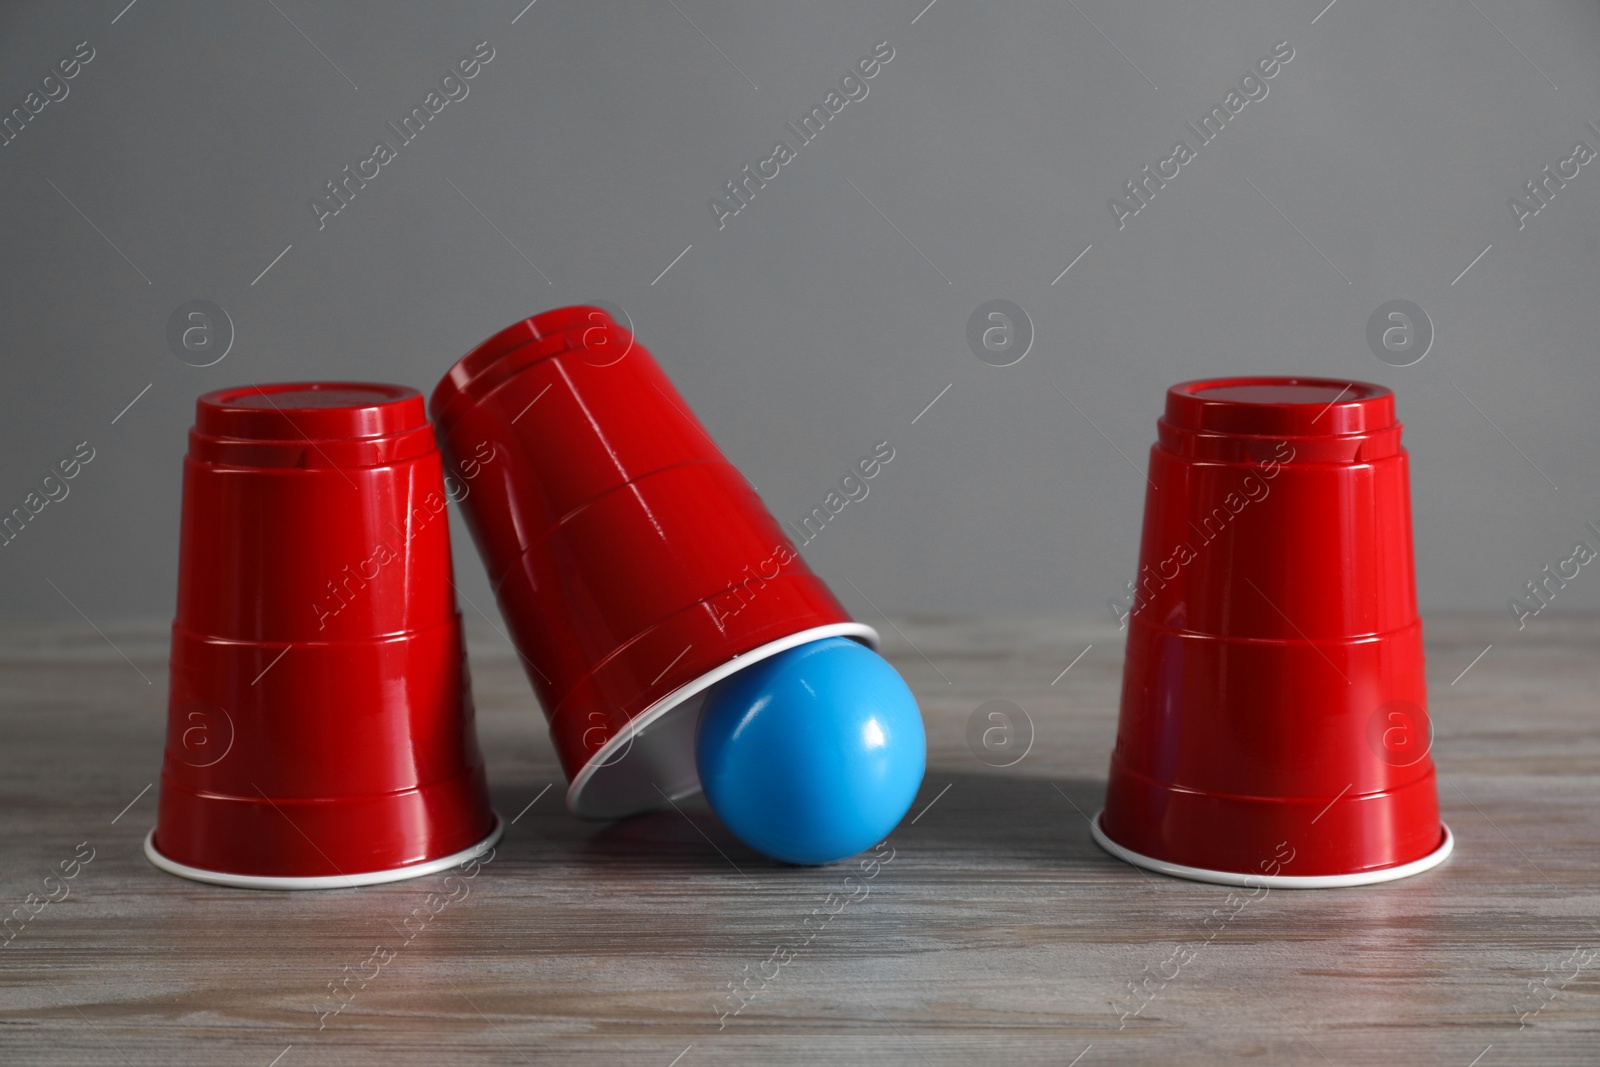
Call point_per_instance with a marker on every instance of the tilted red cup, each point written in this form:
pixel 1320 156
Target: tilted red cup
pixel 1274 725
pixel 634 565
pixel 320 725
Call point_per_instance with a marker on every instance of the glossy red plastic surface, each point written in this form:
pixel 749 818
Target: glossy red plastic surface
pixel 629 557
pixel 320 720
pixel 1274 684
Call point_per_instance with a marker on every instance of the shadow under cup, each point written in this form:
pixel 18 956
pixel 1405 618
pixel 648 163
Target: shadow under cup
pixel 1274 726
pixel 320 724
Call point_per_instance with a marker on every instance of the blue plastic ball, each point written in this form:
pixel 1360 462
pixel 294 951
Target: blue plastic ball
pixel 813 754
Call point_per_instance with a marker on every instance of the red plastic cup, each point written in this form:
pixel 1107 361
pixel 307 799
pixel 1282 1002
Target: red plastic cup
pixel 320 721
pixel 1274 728
pixel 633 563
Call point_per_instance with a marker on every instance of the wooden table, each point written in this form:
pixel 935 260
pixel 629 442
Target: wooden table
pixel 997 933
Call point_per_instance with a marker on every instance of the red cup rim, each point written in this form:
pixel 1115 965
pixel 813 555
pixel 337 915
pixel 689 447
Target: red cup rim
pixel 302 411
pixel 1265 405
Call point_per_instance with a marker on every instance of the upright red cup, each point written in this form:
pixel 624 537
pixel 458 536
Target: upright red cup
pixel 633 563
pixel 1274 725
pixel 320 721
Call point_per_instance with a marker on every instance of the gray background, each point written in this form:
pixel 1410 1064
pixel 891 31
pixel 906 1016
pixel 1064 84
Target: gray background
pixel 808 329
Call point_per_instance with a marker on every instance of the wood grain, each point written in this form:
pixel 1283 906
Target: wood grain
pixel 997 933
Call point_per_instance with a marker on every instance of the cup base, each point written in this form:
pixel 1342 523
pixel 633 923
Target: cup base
pixel 1275 881
pixel 331 881
pixel 652 761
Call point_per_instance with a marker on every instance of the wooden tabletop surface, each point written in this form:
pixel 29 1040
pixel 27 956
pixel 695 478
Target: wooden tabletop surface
pixel 991 929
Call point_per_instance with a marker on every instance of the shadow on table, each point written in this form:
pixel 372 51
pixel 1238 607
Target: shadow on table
pixel 959 819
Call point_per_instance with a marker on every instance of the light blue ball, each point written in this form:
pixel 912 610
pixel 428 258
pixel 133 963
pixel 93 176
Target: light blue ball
pixel 813 754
